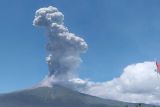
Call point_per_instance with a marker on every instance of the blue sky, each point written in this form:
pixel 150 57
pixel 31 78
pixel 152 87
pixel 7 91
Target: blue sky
pixel 118 33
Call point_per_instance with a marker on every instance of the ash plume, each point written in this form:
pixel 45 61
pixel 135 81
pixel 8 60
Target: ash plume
pixel 64 48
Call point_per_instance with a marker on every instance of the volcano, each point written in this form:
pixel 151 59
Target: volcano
pixel 57 96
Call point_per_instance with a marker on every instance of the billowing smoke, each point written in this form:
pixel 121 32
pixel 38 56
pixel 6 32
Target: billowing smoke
pixel 64 48
pixel 137 83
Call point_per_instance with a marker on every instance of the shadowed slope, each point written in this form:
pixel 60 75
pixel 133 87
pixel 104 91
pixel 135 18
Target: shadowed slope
pixel 57 96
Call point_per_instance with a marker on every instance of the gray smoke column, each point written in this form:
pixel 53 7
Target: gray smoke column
pixel 64 48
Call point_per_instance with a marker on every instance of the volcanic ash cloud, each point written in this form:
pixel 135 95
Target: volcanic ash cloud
pixel 64 48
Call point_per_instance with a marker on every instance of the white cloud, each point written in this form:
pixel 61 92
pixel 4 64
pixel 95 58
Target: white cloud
pixel 138 83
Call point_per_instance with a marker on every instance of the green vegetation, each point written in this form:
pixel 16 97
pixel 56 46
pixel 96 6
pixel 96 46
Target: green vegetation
pixel 139 105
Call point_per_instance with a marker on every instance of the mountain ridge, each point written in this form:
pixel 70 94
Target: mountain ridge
pixel 57 96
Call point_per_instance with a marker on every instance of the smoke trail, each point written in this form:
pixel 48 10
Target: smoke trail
pixel 139 80
pixel 64 48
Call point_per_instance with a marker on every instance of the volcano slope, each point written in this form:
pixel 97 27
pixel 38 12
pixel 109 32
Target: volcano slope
pixel 57 96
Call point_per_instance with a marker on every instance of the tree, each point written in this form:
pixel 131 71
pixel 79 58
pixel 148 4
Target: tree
pixel 139 105
pixel 126 106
